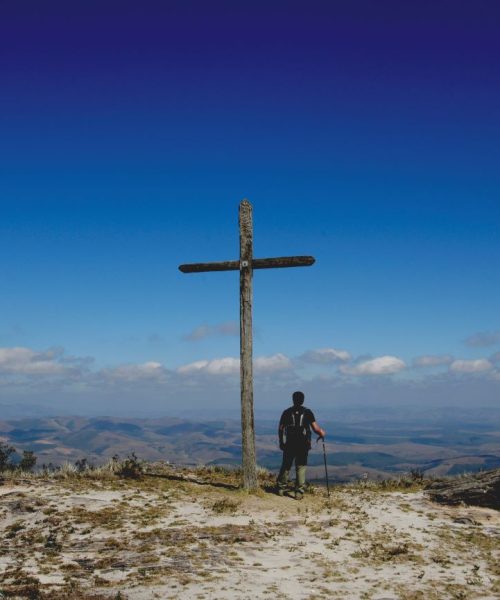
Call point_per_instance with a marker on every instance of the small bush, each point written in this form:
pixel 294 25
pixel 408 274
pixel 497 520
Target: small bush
pixel 28 461
pixel 6 452
pixel 130 468
pixel 83 465
pixel 417 475
pixel 66 470
pixel 26 464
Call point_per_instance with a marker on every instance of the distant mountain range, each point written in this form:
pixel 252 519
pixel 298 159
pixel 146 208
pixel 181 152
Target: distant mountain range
pixel 375 449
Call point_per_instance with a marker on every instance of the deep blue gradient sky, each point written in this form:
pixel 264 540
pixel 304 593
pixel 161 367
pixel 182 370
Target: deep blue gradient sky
pixel 365 133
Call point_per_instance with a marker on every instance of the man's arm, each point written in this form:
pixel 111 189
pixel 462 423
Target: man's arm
pixel 281 432
pixel 317 429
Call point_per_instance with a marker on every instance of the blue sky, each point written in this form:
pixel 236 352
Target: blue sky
pixel 364 133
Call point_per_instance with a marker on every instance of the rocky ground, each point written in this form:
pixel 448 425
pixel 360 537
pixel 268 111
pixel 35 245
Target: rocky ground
pixel 194 534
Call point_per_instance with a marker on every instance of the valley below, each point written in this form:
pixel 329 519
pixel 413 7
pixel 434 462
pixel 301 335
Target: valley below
pixel 357 446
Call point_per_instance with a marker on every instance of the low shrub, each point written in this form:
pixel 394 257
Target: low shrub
pixel 130 468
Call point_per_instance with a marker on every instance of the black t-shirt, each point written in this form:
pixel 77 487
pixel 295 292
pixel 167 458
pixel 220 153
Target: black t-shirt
pixel 294 418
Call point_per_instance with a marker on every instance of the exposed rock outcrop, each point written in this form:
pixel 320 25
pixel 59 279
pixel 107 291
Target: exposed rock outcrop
pixel 478 489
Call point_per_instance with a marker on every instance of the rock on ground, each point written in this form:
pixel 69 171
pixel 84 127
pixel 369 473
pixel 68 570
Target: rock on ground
pixel 478 489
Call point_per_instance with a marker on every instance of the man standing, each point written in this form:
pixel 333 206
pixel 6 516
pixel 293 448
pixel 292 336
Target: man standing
pixel 295 440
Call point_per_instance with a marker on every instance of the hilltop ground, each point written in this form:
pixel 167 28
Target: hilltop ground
pixel 194 534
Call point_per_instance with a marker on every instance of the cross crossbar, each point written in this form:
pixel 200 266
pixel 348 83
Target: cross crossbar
pixel 257 263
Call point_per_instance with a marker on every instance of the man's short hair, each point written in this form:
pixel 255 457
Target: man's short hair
pixel 298 398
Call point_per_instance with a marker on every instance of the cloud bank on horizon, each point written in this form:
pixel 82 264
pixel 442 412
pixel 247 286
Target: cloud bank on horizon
pixel 20 362
pixel 24 372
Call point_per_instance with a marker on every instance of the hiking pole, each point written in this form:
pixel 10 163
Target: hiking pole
pixel 326 468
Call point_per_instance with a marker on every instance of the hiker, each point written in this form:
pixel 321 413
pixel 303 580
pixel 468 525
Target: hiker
pixel 295 440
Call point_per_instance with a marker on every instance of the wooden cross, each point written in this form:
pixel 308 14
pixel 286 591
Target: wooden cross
pixel 246 265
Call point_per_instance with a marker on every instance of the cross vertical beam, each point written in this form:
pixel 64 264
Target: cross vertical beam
pixel 246 346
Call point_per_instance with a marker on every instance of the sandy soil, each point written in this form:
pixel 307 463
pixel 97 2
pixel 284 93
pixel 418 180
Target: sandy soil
pixel 164 538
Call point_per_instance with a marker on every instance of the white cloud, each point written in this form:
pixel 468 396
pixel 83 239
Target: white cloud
pixel 270 364
pixel 193 367
pixel 218 366
pixel 432 360
pixel 20 366
pixel 325 356
pixel 231 366
pixel 382 365
pixel 24 361
pixel 471 366
pixel 130 373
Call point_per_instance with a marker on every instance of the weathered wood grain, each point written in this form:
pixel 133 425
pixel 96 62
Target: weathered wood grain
pixel 227 265
pixel 281 262
pixel 246 347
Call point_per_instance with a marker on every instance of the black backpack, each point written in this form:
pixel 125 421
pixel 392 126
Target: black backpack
pixel 297 432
